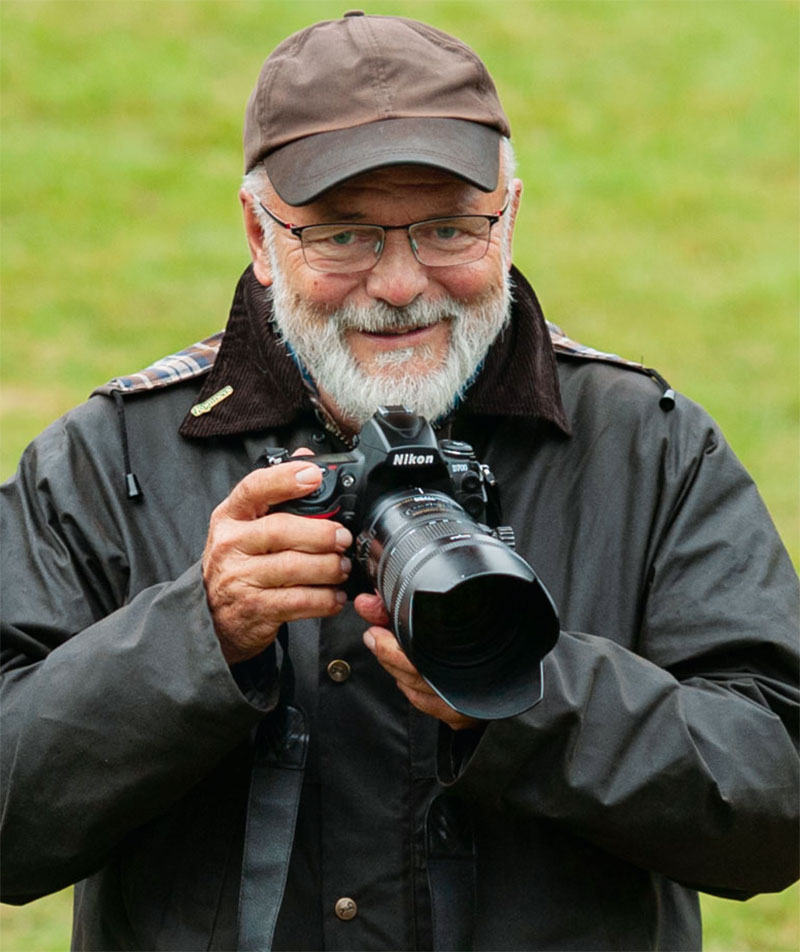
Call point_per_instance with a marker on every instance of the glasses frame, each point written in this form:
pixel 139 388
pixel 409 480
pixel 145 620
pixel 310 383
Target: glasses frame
pixel 297 232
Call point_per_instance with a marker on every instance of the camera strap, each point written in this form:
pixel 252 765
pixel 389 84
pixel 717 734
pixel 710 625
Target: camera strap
pixel 451 863
pixel 279 758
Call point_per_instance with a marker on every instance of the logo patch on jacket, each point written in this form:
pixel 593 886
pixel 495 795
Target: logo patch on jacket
pixel 207 405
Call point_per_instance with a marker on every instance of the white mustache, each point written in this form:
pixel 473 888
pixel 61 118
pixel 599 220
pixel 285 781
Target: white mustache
pixel 379 317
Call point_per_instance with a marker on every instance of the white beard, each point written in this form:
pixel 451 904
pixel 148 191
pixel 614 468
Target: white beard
pixel 317 336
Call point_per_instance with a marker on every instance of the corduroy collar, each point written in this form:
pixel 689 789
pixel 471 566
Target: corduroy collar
pixel 518 377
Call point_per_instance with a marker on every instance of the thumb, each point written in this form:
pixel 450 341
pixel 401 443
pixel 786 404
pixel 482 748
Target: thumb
pixel 252 497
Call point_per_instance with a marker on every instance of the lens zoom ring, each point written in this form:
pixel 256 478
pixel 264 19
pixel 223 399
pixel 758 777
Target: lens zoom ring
pixel 396 559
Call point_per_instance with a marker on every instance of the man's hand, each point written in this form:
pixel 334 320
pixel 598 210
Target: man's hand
pixel 262 569
pixel 383 644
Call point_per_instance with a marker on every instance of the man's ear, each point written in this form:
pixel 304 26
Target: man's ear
pixel 255 240
pixel 513 207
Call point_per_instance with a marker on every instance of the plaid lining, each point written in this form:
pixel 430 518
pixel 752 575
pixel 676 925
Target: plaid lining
pixel 191 362
pixel 565 345
pixel 198 359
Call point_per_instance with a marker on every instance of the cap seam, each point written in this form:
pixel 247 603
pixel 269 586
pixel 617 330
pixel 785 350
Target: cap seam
pixel 293 44
pixel 443 41
pixel 382 94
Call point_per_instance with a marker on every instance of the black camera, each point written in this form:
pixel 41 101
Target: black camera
pixel 468 611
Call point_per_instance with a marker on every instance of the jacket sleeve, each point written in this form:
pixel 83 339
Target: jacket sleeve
pixel 678 753
pixel 112 706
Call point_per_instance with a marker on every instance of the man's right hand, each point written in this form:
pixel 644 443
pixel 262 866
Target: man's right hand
pixel 262 569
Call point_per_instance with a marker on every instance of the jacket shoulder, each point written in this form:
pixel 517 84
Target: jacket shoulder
pixel 571 350
pixel 565 346
pixel 187 364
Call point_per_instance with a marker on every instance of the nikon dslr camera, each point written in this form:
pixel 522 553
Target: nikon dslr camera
pixel 469 612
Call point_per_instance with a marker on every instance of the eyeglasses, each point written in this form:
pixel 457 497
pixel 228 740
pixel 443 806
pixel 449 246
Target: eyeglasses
pixel 343 247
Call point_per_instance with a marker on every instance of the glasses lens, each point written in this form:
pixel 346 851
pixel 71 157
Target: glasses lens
pixel 447 241
pixel 341 248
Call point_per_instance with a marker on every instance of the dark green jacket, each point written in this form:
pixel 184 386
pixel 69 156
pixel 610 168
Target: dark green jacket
pixel 661 759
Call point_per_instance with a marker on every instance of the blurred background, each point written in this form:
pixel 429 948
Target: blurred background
pixel 658 143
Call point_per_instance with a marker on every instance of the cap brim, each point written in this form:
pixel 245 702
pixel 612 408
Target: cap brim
pixel 301 171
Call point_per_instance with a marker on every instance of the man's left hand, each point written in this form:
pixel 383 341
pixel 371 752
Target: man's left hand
pixel 383 644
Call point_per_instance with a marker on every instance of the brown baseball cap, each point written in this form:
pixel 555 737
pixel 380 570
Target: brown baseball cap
pixel 347 96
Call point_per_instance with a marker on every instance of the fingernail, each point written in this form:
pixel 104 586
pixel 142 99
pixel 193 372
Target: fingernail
pixel 343 538
pixel 369 640
pixel 308 475
pixel 346 565
pixel 341 597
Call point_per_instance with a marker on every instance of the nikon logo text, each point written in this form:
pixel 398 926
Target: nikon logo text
pixel 413 459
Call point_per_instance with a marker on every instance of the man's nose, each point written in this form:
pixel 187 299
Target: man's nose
pixel 398 278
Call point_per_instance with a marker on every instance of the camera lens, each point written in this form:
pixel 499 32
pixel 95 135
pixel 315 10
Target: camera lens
pixel 456 623
pixel 468 611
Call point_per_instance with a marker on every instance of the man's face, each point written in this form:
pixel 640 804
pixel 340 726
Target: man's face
pixel 401 332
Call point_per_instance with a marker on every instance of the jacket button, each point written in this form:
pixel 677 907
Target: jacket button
pixel 346 908
pixel 338 670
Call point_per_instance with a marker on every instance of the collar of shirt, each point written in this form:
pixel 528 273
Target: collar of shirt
pixel 518 376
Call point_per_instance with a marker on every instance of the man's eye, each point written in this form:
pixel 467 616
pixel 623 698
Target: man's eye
pixel 444 232
pixel 325 236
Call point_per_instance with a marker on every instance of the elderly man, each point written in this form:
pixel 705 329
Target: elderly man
pixel 197 726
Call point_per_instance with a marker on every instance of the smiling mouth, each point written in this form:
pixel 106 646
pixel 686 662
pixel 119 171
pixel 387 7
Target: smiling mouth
pixel 405 332
pixel 395 331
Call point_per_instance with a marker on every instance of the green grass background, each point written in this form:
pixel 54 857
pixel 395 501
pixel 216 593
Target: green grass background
pixel 658 142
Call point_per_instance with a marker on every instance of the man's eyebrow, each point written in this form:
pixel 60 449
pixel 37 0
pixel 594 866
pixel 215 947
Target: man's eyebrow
pixel 334 213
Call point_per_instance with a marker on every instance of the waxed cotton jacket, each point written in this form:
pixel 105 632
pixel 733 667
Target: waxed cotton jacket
pixel 184 794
